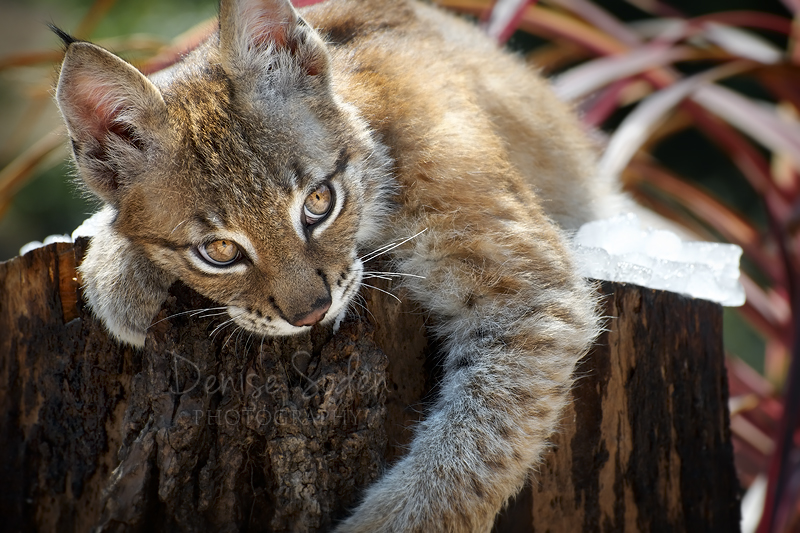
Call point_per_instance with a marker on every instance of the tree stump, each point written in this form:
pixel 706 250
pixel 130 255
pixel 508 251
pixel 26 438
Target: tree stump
pixel 210 429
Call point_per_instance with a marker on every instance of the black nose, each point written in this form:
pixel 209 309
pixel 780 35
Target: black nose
pixel 321 307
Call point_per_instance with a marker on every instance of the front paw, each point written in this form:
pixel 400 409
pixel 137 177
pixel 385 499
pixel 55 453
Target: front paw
pixel 418 496
pixel 124 289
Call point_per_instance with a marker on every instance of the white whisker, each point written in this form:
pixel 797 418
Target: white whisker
pixel 247 343
pixel 238 338
pixel 359 301
pixel 191 312
pixel 229 338
pixel 377 250
pixel 224 324
pixel 178 226
pixel 392 274
pixel 383 291
pixel 388 248
pixel 213 314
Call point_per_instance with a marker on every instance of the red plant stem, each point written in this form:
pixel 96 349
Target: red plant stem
pixel 752 164
pixel 602 106
pixel 778 473
pixel 748 19
pixel 779 495
pixel 511 25
pixel 715 214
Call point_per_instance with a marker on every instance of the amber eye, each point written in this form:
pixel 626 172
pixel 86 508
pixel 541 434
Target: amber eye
pixel 220 253
pixel 317 205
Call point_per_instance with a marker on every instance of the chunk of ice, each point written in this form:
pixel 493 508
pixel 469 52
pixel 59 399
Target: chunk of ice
pixel 30 246
pixel 48 240
pixel 638 274
pixel 88 228
pixel 92 225
pixel 617 249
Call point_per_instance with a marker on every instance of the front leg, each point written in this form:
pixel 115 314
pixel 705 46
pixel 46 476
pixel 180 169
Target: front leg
pixel 123 288
pixel 514 319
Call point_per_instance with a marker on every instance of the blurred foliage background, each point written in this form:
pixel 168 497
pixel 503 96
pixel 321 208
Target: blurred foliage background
pixel 48 201
pixel 726 168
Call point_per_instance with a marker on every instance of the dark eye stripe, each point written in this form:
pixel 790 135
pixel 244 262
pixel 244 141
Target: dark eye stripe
pixel 300 175
pixel 341 164
pixel 339 167
pixel 169 245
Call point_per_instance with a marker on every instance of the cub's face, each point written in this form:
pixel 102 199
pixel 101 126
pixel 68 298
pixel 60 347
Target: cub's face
pixel 259 203
pixel 237 171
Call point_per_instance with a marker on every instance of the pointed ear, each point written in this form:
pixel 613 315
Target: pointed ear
pixel 254 32
pixel 112 111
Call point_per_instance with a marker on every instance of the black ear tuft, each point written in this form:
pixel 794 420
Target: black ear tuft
pixel 65 37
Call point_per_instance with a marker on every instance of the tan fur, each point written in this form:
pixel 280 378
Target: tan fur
pixel 418 122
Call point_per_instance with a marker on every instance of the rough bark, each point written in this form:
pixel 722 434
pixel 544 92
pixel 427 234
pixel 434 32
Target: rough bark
pixel 211 429
pixel 646 445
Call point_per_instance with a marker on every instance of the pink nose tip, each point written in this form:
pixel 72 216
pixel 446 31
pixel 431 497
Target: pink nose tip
pixel 314 316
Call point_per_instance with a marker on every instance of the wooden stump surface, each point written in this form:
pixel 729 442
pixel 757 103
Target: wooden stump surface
pixel 208 430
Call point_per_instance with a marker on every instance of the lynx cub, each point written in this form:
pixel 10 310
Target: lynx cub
pixel 262 166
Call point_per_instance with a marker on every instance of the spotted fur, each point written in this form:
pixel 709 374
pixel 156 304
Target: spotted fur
pixel 417 122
